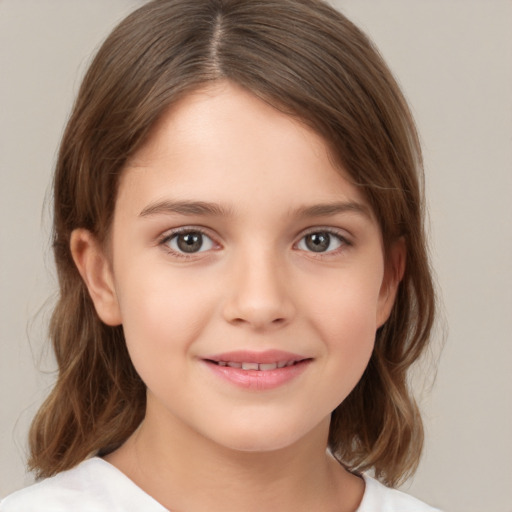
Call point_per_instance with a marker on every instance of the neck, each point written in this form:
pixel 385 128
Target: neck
pixel 185 471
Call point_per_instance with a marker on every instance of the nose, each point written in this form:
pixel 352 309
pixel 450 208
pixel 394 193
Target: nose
pixel 259 294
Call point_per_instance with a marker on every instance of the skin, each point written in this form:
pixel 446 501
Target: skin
pixel 254 284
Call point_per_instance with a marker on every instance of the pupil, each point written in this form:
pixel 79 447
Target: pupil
pixel 190 242
pixel 318 242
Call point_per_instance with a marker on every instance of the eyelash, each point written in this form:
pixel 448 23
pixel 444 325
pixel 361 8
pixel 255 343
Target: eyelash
pixel 342 239
pixel 168 237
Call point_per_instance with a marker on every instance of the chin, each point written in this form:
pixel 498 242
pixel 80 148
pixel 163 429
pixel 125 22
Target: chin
pixel 260 444
pixel 264 438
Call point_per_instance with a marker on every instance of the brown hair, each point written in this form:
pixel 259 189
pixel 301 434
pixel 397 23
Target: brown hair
pixel 307 60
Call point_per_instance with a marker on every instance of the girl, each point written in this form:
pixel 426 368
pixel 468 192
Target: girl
pixel 243 275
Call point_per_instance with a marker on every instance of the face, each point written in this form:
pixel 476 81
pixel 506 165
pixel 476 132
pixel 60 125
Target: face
pixel 247 272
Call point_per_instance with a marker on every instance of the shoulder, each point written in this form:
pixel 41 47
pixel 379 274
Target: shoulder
pixel 379 498
pixel 93 485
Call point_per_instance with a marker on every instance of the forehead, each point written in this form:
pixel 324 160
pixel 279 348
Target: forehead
pixel 222 143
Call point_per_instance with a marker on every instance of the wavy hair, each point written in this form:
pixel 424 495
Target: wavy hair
pixel 306 59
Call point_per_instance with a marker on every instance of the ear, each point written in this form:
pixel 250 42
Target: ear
pixel 393 274
pixel 96 271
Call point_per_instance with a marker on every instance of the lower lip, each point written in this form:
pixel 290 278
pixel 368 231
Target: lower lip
pixel 259 380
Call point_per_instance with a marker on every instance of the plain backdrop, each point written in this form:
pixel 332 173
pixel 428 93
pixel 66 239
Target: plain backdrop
pixel 454 61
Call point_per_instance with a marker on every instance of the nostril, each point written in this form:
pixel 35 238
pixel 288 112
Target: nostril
pixel 257 311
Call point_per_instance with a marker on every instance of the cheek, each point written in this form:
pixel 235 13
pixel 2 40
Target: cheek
pixel 347 304
pixel 163 313
pixel 346 318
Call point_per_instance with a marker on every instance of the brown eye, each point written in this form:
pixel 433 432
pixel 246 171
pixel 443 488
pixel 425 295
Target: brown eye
pixel 320 241
pixel 190 242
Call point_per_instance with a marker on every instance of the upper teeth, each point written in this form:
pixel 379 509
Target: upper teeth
pixel 256 366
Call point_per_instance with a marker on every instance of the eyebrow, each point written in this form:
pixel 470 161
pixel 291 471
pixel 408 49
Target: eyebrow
pixel 329 209
pixel 185 208
pixel 213 209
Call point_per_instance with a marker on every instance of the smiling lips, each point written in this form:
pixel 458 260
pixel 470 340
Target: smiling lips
pixel 262 367
pixel 258 370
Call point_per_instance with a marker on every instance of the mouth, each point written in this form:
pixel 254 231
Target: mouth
pixel 258 370
pixel 260 367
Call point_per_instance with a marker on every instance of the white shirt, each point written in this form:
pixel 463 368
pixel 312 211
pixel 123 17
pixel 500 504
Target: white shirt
pixel 97 486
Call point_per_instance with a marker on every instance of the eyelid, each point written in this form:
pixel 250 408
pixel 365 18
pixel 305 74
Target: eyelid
pixel 163 240
pixel 341 234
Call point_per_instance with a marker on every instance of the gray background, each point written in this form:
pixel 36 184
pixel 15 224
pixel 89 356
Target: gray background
pixel 454 61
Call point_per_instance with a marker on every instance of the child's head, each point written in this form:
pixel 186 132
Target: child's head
pixel 307 61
